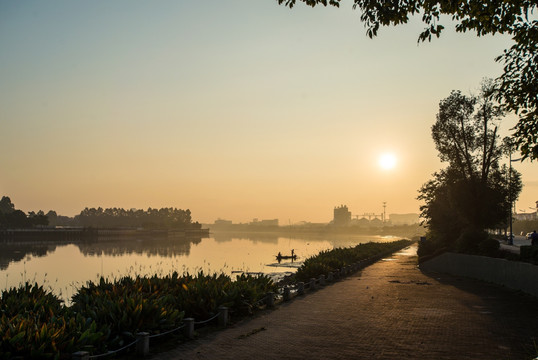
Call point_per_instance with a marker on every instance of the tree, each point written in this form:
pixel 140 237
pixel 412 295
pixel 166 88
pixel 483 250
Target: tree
pixel 52 216
pixel 39 219
pixel 473 192
pixel 152 218
pixel 518 85
pixel 6 206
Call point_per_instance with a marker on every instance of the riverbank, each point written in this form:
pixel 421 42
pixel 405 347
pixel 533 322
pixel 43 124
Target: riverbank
pixel 86 233
pixel 389 310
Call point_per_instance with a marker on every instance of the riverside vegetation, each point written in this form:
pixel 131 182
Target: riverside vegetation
pixel 106 315
pixel 331 260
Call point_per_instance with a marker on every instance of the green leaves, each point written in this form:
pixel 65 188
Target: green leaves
pixel 35 324
pixel 312 3
pixel 104 315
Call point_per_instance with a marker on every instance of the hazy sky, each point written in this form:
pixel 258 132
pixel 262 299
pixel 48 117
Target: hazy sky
pixel 233 109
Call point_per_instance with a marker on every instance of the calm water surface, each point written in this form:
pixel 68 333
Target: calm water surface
pixel 64 267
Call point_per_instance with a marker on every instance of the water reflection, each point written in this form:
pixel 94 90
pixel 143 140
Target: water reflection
pixel 65 266
pixel 15 251
pixel 271 238
pixel 166 247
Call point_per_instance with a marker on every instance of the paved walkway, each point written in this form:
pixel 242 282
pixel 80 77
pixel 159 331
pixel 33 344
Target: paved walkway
pixel 390 310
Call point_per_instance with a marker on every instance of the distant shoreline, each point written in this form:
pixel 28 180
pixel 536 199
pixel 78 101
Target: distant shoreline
pixel 409 231
pixel 84 233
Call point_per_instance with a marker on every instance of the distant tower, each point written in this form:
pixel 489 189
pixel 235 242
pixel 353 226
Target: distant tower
pixel 342 216
pixel 384 211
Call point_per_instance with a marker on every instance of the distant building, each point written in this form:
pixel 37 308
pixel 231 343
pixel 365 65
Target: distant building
pixel 272 222
pixel 376 222
pixel 342 216
pixel 404 219
pixel 362 222
pixel 222 222
pixel 527 216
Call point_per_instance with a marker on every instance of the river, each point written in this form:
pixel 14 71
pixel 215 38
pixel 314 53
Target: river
pixel 63 267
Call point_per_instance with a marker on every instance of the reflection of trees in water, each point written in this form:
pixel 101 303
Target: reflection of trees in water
pixel 168 247
pixel 17 251
pixel 159 246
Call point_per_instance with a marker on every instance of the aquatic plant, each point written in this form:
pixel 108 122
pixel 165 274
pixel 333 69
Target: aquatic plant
pixel 337 258
pixel 34 323
pixel 106 315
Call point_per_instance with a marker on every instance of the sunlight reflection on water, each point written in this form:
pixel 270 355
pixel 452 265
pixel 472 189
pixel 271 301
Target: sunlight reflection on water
pixel 65 267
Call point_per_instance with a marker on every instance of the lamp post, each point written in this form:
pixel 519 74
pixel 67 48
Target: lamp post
pixel 510 236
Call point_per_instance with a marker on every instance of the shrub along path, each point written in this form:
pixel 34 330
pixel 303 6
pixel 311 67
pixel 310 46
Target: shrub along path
pixel 390 310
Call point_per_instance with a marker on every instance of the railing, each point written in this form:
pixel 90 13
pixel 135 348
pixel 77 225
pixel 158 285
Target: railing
pixel 143 338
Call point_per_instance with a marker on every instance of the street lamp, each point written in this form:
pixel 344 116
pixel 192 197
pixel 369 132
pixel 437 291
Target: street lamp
pixel 510 236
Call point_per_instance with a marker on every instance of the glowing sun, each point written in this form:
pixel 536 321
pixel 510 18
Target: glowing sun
pixel 387 161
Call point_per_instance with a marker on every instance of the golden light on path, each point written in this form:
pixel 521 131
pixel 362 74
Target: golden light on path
pixel 387 161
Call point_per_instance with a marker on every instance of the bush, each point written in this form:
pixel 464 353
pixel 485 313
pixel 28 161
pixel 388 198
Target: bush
pixel 529 253
pixel 469 240
pixel 426 247
pixel 489 247
pixel 34 323
pixel 332 260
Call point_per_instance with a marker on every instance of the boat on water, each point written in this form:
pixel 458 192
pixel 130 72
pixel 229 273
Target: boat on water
pixel 284 257
pixel 281 257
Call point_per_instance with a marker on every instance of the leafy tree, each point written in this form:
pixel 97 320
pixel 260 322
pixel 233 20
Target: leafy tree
pixel 518 84
pixel 6 206
pixel 473 193
pixel 52 216
pixel 17 220
pixel 39 219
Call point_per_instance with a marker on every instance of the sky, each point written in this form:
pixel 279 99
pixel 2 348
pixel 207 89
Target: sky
pixel 235 109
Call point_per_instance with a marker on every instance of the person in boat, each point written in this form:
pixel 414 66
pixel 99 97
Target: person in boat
pixel 292 253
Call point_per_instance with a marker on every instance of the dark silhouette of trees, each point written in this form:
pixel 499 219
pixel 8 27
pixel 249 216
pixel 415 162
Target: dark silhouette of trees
pixel 472 193
pixel 518 85
pixel 164 218
pixel 6 206
pixel 17 220
pixel 12 218
pixel 38 219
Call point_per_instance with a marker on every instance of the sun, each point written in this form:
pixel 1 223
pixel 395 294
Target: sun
pixel 387 161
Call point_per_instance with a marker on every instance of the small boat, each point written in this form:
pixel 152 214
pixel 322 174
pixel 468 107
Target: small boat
pixel 280 257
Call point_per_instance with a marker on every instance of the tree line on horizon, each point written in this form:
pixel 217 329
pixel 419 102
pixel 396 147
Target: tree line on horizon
pixel 168 218
pixel 164 218
pixel 10 217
